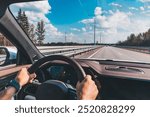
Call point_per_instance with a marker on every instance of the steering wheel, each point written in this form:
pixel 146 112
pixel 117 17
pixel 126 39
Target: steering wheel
pixel 52 89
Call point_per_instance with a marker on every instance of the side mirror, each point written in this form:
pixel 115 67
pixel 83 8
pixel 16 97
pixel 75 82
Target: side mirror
pixel 4 55
pixel 7 56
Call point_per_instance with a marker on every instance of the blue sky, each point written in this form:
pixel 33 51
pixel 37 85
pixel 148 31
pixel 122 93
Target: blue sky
pixel 115 19
pixel 70 11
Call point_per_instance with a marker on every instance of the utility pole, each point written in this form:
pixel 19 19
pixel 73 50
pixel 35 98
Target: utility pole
pixel 65 37
pixel 100 37
pixel 85 41
pixel 94 31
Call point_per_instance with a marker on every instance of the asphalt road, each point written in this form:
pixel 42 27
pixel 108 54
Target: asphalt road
pixel 114 53
pixel 111 53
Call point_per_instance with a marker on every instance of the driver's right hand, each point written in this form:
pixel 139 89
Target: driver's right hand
pixel 87 89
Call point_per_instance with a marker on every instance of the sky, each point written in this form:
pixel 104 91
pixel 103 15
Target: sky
pixel 114 19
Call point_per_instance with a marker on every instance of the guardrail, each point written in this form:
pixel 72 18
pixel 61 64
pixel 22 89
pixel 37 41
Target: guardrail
pixel 78 52
pixel 137 49
pixel 70 51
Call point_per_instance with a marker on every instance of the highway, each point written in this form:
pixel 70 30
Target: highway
pixel 105 52
pixel 70 51
pixel 114 53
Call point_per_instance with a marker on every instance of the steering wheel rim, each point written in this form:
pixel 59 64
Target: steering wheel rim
pixel 65 89
pixel 80 72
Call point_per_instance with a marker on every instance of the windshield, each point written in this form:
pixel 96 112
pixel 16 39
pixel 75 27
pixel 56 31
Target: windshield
pixel 97 29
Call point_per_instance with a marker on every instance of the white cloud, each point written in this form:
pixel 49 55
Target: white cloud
pixel 111 12
pixel 129 13
pixel 105 12
pixel 144 0
pixel 118 25
pixel 115 4
pixel 90 28
pixel 37 11
pixel 87 21
pixel 84 29
pixel 75 29
pixel 133 8
pixel 98 11
pixel 34 17
pixel 40 6
pixel 142 8
pixel 146 12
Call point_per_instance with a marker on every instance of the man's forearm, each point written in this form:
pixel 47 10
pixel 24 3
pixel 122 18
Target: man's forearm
pixel 8 93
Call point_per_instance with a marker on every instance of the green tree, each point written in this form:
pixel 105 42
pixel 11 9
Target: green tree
pixel 32 33
pixel 23 21
pixel 40 32
pixel 20 17
pixel 142 39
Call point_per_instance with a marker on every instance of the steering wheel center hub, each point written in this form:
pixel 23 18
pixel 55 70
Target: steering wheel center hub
pixel 52 90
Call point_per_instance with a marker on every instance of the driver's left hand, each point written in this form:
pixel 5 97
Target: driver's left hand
pixel 24 77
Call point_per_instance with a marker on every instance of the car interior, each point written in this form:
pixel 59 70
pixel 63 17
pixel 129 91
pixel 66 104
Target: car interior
pixel 57 75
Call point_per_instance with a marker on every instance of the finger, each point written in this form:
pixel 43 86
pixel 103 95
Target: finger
pixel 89 80
pixel 78 84
pixel 31 80
pixel 32 76
pixel 88 77
pixel 22 70
pixel 27 67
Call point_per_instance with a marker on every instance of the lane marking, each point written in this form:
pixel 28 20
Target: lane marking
pixel 95 53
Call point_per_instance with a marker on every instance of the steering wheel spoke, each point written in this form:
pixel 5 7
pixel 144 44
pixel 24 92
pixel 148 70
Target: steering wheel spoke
pixel 72 93
pixel 28 90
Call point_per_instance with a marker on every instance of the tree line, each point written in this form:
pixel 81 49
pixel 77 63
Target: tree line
pixel 36 33
pixel 142 39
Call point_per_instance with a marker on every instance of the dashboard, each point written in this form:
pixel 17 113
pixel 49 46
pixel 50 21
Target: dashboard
pixel 114 81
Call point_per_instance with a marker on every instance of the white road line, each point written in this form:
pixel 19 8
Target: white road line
pixel 95 53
